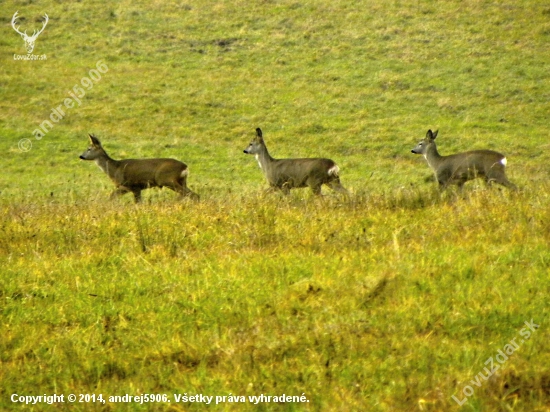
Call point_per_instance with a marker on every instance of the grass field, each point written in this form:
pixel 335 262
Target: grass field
pixel 396 299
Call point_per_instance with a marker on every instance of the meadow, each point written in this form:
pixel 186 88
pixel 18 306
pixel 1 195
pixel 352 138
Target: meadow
pixel 399 298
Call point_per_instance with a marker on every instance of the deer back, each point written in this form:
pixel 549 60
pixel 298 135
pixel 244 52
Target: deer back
pixel 149 172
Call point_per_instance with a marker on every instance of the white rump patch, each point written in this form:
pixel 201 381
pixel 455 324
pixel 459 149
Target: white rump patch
pixel 503 161
pixel 334 170
pixel 184 172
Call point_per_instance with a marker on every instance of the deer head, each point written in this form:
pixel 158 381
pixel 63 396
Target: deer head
pixel 29 40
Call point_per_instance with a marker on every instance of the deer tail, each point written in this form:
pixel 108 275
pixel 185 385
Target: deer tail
pixel 334 170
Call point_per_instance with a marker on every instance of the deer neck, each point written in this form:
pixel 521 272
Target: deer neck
pixel 433 157
pixel 108 165
pixel 264 159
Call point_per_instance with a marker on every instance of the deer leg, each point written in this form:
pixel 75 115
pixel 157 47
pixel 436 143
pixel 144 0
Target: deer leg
pixel 181 188
pixel 316 189
pixel 189 193
pixel 337 187
pixel 509 185
pixel 500 178
pixel 137 195
pixel 177 188
pixel 506 183
pixel 285 188
pixel 315 184
pixel 488 182
pixel 185 191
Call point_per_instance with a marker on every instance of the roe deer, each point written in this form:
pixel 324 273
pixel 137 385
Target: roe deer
pixel 285 174
pixel 134 175
pixel 459 168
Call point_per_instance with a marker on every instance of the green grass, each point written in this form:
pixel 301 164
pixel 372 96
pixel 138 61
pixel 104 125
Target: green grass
pixel 392 300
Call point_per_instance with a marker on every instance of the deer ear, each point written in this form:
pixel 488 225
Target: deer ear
pixel 429 134
pixel 94 140
pixel 259 132
pixel 435 134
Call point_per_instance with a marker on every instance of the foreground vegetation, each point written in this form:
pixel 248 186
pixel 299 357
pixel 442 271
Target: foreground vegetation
pixel 382 303
pixel 392 300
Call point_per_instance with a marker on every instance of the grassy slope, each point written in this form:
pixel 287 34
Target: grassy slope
pixel 392 301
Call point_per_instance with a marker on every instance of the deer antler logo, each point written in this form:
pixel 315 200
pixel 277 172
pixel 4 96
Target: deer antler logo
pixel 29 40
